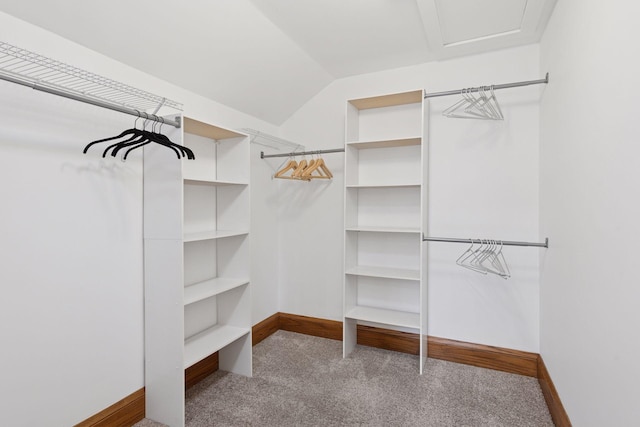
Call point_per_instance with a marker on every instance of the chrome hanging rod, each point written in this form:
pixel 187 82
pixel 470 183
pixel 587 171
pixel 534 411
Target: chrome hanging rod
pixel 301 153
pixel 92 101
pixel 495 87
pixel 504 242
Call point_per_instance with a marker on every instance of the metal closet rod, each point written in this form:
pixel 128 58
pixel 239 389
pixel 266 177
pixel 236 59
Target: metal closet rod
pixel 301 153
pixel 96 102
pixel 495 87
pixel 504 242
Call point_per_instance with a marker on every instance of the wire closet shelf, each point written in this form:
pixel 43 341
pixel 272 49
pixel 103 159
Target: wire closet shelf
pixel 41 73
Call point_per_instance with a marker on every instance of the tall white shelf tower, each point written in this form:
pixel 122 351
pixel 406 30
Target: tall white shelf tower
pixel 196 242
pixel 385 282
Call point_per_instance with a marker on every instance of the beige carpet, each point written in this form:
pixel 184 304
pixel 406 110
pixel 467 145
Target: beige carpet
pixel 301 380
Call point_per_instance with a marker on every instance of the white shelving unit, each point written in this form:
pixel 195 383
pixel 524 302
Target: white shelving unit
pixel 197 288
pixel 385 216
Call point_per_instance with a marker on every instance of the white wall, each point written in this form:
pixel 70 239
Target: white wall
pixel 590 209
pixel 72 299
pixel 483 182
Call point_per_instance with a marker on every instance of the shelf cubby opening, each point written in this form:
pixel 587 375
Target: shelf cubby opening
pixel 383 207
pixel 384 166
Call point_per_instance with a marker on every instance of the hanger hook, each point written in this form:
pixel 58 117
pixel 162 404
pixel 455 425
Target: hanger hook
pixel 135 124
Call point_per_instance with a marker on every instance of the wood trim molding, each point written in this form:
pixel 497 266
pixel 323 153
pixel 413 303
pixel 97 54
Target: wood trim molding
pixel 199 371
pixel 125 412
pixel 388 339
pixel 314 326
pixel 265 328
pixel 484 356
pixel 558 414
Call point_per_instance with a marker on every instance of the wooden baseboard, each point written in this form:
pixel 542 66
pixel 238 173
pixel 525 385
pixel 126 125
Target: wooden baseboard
pixel 484 356
pixel 125 412
pixel 558 414
pixel 388 339
pixel 314 326
pixel 265 328
pixel 199 371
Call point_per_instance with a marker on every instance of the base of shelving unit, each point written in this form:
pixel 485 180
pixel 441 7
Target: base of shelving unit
pixel 209 341
pixel 386 317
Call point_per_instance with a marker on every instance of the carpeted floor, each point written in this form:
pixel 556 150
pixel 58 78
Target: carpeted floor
pixel 301 380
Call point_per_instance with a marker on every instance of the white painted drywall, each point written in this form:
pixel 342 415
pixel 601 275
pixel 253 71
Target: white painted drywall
pixel 71 261
pixel 483 182
pixel 589 207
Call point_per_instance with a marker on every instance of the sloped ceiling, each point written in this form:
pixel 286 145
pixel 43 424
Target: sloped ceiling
pixel 268 57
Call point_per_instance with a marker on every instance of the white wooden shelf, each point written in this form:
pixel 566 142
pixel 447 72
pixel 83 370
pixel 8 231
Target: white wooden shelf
pixel 213 182
pixel 389 100
pixel 209 341
pixel 384 316
pixel 405 185
pixel 378 229
pixel 212 234
pixel 209 288
pixel 384 272
pixel 385 143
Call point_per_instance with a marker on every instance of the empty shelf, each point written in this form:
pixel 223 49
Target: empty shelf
pixel 198 181
pixel 387 317
pixel 405 185
pixel 212 234
pixel 386 143
pixel 390 100
pixel 208 288
pixel 209 341
pixel 385 272
pixel 377 229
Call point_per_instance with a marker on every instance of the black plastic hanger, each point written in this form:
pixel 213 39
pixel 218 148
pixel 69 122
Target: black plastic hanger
pixel 140 137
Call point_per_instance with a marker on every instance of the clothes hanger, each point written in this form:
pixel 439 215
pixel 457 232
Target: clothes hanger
pixel 503 262
pixel 153 136
pixel 133 131
pixel 290 166
pixel 146 138
pixel 140 137
pixel 465 254
pixel 161 139
pixel 315 166
pixel 449 111
pixel 468 260
pixel 299 169
pixel 475 105
pixel 325 169
pixel 489 257
pixel 186 151
pixel 496 105
pixel 478 256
